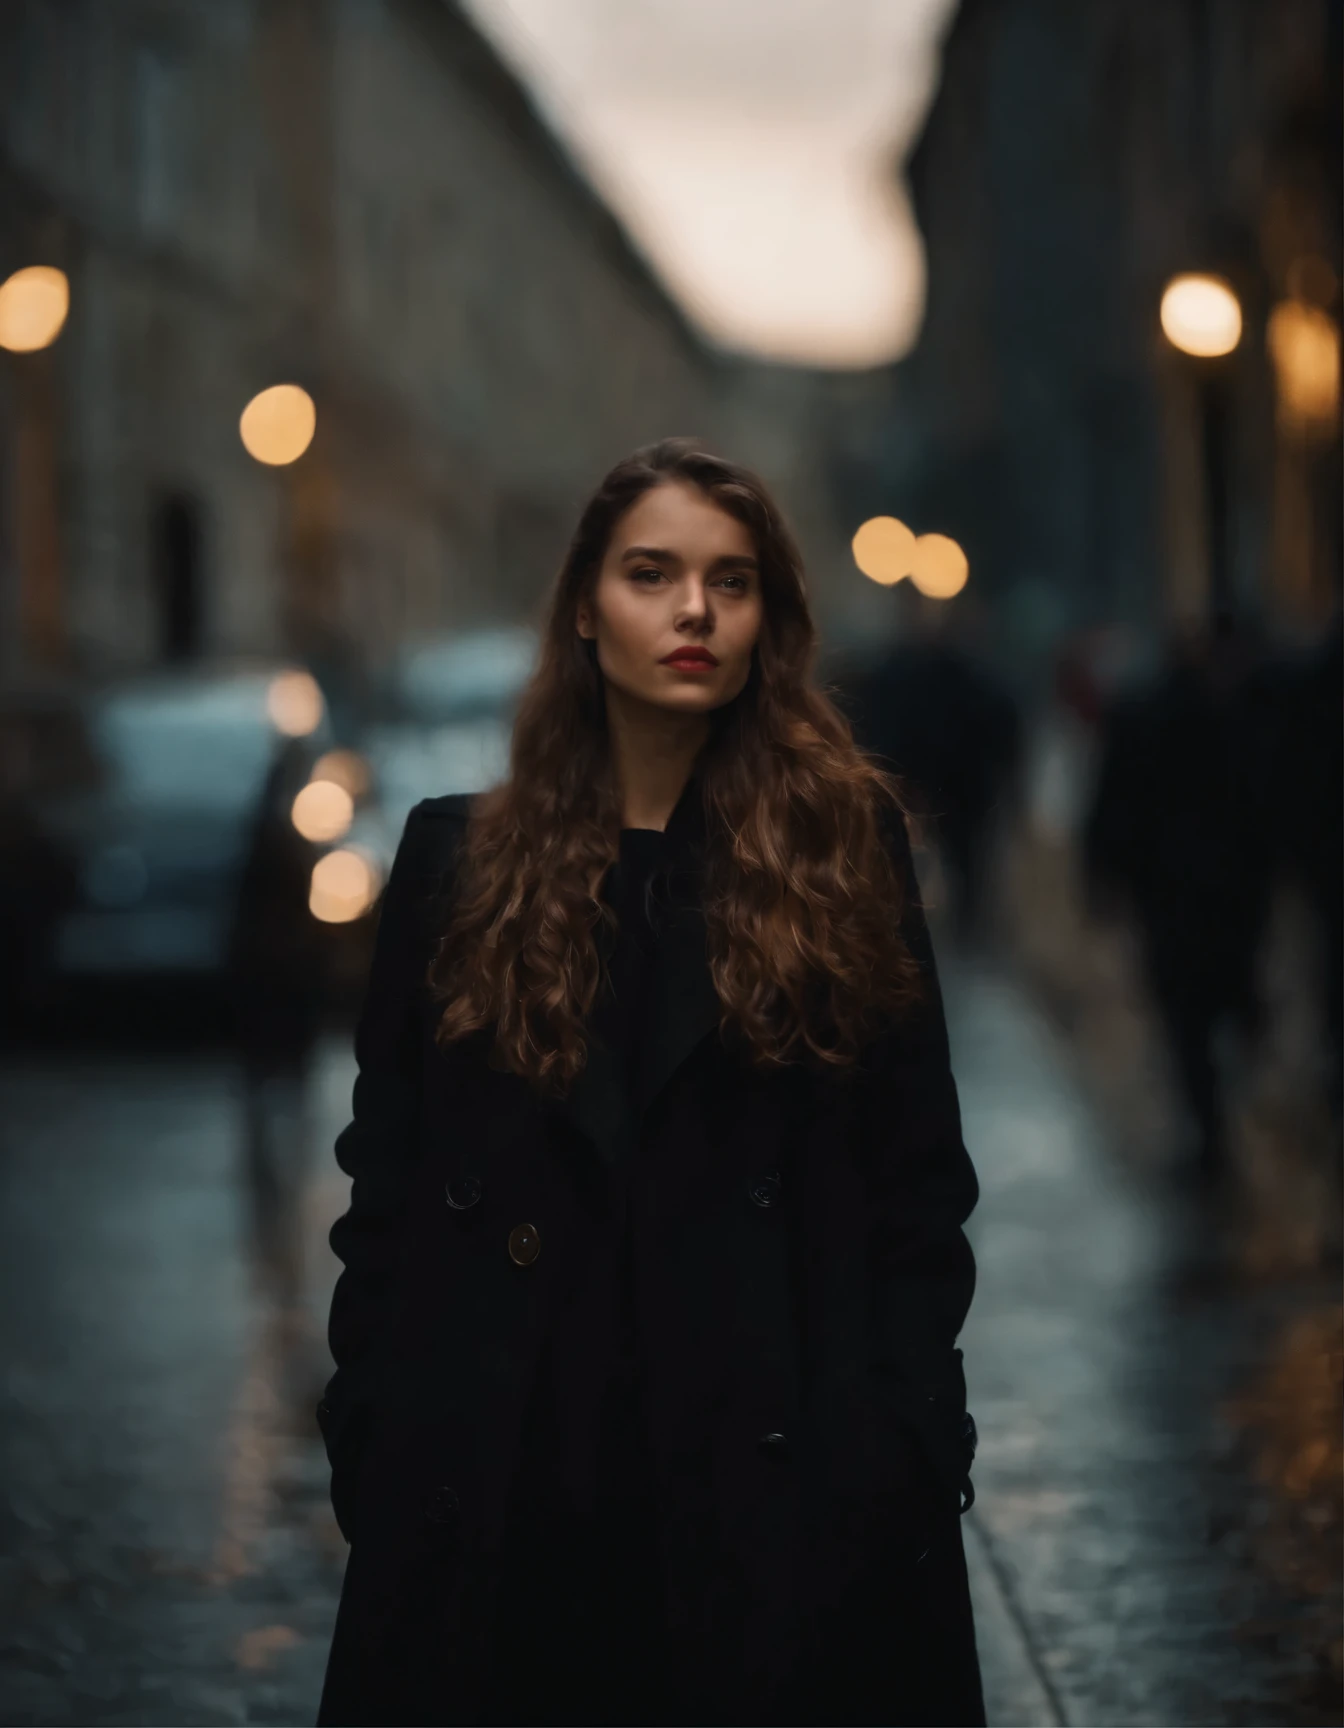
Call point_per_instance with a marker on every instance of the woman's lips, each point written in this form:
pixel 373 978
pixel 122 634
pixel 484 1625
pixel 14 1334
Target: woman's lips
pixel 690 663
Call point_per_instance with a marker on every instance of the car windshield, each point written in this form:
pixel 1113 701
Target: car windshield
pixel 415 762
pixel 192 744
pixel 477 675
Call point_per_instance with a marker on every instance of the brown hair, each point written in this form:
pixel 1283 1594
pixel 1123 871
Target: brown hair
pixel 800 895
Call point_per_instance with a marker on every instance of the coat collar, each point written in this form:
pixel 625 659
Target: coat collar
pixel 683 1004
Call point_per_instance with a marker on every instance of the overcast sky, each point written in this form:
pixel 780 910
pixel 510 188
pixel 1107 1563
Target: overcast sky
pixel 748 147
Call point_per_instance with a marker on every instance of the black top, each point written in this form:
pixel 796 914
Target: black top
pixel 621 1021
pixel 633 893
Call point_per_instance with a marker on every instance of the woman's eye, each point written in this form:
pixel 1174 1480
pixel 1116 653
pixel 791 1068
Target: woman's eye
pixel 646 574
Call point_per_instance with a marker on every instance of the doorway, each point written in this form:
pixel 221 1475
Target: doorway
pixel 178 597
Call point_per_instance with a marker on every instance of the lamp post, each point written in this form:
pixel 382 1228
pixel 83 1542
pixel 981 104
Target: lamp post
pixel 1201 317
pixel 34 304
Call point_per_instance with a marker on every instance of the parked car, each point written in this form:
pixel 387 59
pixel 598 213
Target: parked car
pixel 44 751
pixel 449 706
pixel 150 837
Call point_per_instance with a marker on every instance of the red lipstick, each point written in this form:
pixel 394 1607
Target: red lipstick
pixel 689 660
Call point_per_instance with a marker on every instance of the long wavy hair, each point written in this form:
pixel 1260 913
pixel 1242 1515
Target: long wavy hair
pixel 800 895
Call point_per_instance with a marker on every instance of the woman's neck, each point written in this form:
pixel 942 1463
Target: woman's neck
pixel 654 753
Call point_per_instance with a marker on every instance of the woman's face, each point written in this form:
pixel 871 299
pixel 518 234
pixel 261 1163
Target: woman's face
pixel 680 576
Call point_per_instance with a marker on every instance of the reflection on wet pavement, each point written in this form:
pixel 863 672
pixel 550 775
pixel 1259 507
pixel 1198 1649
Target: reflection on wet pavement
pixel 169 1555
pixel 1107 1348
pixel 1156 1536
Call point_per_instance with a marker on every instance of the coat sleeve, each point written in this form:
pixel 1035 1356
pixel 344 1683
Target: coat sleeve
pixel 378 1147
pixel 924 1189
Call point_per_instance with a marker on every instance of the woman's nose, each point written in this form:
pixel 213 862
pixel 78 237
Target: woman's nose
pixel 693 602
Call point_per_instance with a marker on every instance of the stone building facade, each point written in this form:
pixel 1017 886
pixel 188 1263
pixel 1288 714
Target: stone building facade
pixel 1076 157
pixel 356 196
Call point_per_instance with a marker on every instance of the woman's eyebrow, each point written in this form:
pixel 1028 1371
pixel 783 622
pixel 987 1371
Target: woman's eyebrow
pixel 729 560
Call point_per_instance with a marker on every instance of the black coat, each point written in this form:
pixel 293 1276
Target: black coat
pixel 802 1276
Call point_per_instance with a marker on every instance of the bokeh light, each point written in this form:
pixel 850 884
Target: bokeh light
pixel 294 703
pixel 347 768
pixel 278 425
pixel 884 549
pixel 1304 346
pixel 343 887
pixel 33 307
pixel 323 811
pixel 940 567
pixel 1201 315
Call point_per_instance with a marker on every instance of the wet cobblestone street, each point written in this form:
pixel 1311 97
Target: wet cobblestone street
pixel 1116 1516
pixel 169 1556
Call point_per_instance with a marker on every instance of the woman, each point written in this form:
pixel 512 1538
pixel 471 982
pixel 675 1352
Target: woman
pixel 648 1406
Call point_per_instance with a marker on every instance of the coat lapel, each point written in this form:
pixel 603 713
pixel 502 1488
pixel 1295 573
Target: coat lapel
pixel 683 1005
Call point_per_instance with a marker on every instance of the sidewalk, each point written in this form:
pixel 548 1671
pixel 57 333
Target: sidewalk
pixel 1116 1544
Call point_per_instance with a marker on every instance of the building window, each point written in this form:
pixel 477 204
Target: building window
pixel 160 139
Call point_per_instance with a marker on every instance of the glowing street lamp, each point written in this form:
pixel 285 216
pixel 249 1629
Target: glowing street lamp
pixel 884 550
pixel 1303 343
pixel 1201 315
pixel 277 425
pixel 346 768
pixel 33 307
pixel 323 811
pixel 940 569
pixel 343 886
pixel 294 704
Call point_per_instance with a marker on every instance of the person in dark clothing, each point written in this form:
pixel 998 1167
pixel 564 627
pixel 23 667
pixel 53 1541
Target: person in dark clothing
pixel 1176 825
pixel 953 737
pixel 648 1405
pixel 276 975
pixel 1303 784
pixel 1302 699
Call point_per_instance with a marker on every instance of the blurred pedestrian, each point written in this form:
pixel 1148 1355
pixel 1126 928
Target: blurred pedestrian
pixel 276 973
pixel 648 1405
pixel 940 720
pixel 1304 801
pixel 1309 807
pixel 1176 827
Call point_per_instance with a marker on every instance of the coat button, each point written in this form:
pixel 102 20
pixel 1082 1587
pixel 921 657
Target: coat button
pixel 440 1506
pixel 524 1244
pixel 774 1445
pixel 765 1189
pixel 462 1191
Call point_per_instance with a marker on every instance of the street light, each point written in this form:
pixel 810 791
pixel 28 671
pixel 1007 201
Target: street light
pixel 1303 342
pixel 343 886
pixel 323 811
pixel 940 569
pixel 294 704
pixel 277 425
pixel 346 768
pixel 33 307
pixel 1201 315
pixel 884 550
